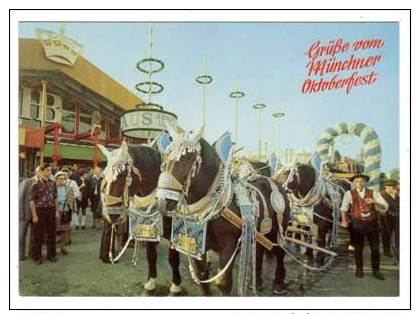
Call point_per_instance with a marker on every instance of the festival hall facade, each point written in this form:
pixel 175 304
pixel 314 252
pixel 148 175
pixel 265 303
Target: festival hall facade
pixel 74 92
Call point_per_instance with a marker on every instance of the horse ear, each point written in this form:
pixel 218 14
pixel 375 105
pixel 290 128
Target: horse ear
pixel 104 151
pixel 195 137
pixel 123 152
pixel 173 132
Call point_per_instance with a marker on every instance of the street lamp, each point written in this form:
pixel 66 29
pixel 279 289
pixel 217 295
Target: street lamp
pixel 278 116
pixel 259 107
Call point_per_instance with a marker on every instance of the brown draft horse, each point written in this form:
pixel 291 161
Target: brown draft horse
pixel 300 185
pixel 147 162
pixel 222 236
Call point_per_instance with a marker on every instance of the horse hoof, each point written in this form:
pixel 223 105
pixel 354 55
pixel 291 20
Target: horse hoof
pixel 259 284
pixel 175 294
pixel 279 289
pixel 149 293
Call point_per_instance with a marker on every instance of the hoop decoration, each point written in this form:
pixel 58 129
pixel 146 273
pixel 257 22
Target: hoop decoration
pixel 259 106
pixel 371 146
pixel 150 106
pixel 150 62
pixel 279 115
pixel 204 79
pixel 159 87
pixel 236 94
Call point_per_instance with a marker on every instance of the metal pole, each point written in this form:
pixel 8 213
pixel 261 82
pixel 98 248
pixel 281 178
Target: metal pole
pixel 42 113
pixel 150 64
pixel 237 121
pixel 278 116
pixel 237 94
pixel 204 80
pixel 259 107
pixel 203 122
pixel 259 133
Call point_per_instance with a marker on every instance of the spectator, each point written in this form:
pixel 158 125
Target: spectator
pixel 25 216
pixel 363 205
pixel 75 174
pixel 76 195
pixel 95 197
pixel 84 202
pixel 391 220
pixel 65 207
pixel 44 209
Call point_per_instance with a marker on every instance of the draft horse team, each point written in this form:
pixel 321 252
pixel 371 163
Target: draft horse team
pixel 201 197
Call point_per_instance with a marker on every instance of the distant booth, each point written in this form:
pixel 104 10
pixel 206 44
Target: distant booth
pixel 67 105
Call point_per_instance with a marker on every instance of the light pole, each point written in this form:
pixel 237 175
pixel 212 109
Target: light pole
pixel 278 116
pixel 259 107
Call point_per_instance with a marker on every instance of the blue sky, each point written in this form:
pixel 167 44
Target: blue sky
pixel 270 59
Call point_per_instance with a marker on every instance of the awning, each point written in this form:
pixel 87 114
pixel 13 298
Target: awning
pixel 31 137
pixel 75 152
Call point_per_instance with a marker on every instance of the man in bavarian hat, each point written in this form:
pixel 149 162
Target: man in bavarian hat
pixel 361 205
pixel 391 220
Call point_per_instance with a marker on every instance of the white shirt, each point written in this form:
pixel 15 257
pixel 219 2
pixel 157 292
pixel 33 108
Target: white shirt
pixel 74 186
pixel 377 197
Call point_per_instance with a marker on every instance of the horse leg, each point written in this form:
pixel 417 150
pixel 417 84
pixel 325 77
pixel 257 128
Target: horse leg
pixel 321 241
pixel 203 274
pixel 258 265
pixel 173 258
pixel 150 285
pixel 226 283
pixel 279 287
pixel 309 252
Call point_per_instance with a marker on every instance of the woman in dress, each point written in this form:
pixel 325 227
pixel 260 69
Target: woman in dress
pixel 65 205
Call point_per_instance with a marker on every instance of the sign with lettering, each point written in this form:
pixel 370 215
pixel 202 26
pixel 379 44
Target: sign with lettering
pixel 145 123
pixel 58 47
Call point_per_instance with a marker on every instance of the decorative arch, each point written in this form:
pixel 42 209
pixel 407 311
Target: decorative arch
pixel 371 146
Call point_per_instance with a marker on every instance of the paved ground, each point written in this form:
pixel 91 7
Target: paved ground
pixel 81 273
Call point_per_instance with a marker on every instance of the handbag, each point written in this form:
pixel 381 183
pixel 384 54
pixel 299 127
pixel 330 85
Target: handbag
pixel 65 216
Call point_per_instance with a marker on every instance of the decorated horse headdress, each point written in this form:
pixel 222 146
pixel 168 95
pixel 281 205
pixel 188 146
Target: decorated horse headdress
pixel 118 161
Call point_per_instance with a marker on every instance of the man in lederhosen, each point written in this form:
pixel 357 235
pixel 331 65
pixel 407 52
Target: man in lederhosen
pixel 391 220
pixel 361 205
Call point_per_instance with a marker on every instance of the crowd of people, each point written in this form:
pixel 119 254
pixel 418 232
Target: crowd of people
pixel 54 201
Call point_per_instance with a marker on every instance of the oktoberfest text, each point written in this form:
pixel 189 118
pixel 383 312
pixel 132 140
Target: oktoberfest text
pixel 339 64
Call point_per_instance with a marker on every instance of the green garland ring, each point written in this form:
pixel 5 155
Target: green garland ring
pixel 279 114
pixel 204 79
pixel 150 105
pixel 259 106
pixel 160 64
pixel 236 94
pixel 150 84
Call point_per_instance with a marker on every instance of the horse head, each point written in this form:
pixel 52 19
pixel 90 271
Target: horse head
pixel 181 164
pixel 297 178
pixel 121 179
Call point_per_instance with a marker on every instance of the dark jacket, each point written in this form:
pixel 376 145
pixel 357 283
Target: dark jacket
pixel 24 197
pixel 92 183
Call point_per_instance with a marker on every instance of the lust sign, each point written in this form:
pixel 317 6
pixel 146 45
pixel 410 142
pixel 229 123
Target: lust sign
pixel 145 123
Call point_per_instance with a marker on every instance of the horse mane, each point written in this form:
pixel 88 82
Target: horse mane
pixel 261 167
pixel 147 160
pixel 203 180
